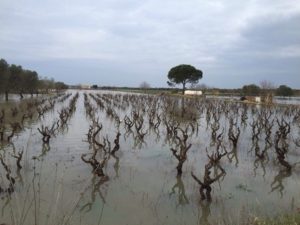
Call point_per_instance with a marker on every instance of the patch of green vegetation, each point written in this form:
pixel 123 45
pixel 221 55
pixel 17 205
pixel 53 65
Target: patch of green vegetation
pixel 293 219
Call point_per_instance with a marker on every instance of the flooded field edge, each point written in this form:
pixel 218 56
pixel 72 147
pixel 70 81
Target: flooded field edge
pixel 127 158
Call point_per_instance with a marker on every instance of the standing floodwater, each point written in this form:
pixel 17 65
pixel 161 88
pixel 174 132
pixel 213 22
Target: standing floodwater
pixel 112 158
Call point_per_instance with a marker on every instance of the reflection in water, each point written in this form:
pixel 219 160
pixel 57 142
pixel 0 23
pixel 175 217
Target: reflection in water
pixel 45 149
pixel 182 198
pixel 8 199
pixel 116 165
pixel 127 134
pixel 138 143
pixel 13 148
pixel 277 183
pixel 95 188
pixel 233 155
pixel 157 135
pixel 64 129
pixel 205 213
pixel 297 142
pixel 261 160
pixel 19 177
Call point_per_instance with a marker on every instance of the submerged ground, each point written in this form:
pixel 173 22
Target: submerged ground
pixel 55 186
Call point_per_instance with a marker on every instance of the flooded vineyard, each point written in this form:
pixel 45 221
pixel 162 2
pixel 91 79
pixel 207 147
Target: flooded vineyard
pixel 111 158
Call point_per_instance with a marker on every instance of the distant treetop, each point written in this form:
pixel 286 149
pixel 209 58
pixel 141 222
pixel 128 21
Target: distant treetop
pixel 284 90
pixel 251 89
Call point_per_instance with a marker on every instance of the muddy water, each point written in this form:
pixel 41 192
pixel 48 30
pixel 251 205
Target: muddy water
pixel 56 187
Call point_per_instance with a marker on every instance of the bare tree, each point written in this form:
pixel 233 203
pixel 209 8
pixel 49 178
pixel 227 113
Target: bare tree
pixel 144 86
pixel 266 85
pixel 267 88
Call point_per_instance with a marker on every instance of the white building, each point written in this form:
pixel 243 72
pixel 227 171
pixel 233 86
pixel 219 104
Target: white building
pixel 84 86
pixel 192 92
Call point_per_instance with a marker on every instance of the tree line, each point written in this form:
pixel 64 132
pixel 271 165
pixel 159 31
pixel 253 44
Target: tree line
pixel 186 74
pixel 17 80
pixel 253 89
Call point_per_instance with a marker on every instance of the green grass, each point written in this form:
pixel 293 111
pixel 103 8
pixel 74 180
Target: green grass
pixel 293 219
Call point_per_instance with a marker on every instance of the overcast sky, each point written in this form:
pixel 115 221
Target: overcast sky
pixel 126 42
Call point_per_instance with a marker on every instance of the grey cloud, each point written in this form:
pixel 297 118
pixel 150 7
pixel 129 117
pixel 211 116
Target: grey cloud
pixel 267 50
pixel 232 42
pixel 275 34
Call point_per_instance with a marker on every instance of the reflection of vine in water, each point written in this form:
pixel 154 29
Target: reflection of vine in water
pixel 8 199
pixel 182 198
pixel 262 163
pixel 19 177
pixel 45 149
pixel 216 171
pixel 156 132
pixel 277 183
pixel 11 181
pixel 116 165
pixel 297 142
pixel 138 143
pixel 18 156
pixel 64 129
pixel 96 188
pixel 261 160
pixel 205 213
pixel 233 155
pixel 127 134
